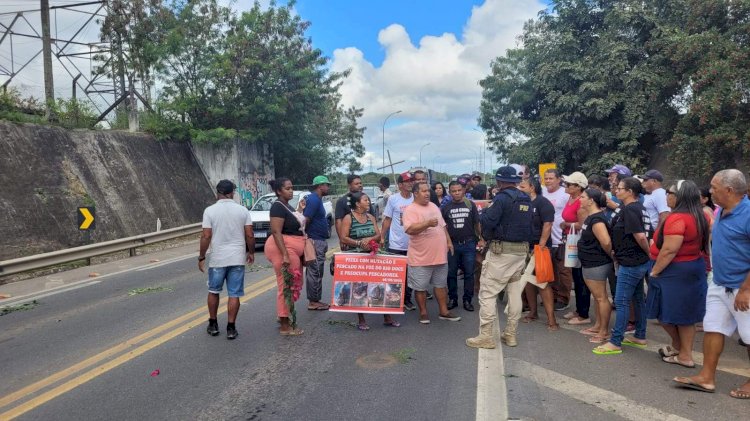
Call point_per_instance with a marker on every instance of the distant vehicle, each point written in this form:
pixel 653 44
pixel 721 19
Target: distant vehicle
pixel 262 220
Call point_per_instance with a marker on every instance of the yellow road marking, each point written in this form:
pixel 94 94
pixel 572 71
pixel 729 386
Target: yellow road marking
pixel 97 371
pixel 256 289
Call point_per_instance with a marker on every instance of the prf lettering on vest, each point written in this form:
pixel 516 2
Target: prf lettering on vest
pixel 523 208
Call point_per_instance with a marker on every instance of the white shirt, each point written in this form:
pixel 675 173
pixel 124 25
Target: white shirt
pixel 394 209
pixel 656 203
pixel 227 221
pixel 558 199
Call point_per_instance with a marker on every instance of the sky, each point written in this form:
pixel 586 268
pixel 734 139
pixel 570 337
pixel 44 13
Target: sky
pixel 421 57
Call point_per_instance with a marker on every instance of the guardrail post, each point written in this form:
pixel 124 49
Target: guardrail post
pixel 132 251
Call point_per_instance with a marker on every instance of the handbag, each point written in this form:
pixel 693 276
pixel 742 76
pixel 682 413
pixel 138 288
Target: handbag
pixel 309 256
pixel 543 268
pixel 571 249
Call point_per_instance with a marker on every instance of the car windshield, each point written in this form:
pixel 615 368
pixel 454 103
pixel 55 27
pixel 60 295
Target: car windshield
pixel 265 202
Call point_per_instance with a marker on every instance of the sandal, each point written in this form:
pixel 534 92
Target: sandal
pixel 668 351
pixel 601 350
pixel 672 359
pixel 570 315
pixel 319 306
pixel 740 393
pixel 692 384
pixel 293 332
pixel 363 327
pixel 632 342
pixel 527 319
pixel 392 324
pixel 578 321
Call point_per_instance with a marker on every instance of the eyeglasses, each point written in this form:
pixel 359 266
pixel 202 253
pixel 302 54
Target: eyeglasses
pixel 671 192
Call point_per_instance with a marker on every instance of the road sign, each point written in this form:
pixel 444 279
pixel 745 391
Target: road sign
pixel 86 218
pixel 545 167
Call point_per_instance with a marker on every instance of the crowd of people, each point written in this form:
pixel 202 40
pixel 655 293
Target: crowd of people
pixel 680 254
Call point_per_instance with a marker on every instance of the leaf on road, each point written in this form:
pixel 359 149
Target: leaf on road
pixel 404 355
pixel 147 290
pixel 19 307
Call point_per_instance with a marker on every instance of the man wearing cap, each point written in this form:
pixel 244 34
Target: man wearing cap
pixel 655 201
pixel 228 229
pixel 507 226
pixel 478 190
pixel 398 240
pixel 316 229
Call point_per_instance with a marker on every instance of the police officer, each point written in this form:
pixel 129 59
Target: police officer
pixel 506 225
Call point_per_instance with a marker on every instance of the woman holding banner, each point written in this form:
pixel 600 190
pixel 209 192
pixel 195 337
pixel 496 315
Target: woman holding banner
pixel 358 229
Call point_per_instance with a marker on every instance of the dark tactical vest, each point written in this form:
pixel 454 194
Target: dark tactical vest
pixel 515 225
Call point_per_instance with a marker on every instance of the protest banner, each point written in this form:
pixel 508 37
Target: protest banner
pixel 364 283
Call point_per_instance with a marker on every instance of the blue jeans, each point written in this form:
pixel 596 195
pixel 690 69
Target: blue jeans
pixel 464 255
pixel 630 287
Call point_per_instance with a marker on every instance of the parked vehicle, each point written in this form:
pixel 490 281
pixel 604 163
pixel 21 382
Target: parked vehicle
pixel 262 220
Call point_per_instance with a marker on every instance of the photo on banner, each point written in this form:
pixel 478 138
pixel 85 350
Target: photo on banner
pixel 368 284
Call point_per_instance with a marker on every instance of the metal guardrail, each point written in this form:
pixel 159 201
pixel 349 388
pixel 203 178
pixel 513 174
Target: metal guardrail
pixel 23 264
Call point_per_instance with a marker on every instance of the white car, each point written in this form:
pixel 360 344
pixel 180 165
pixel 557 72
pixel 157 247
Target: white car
pixel 262 220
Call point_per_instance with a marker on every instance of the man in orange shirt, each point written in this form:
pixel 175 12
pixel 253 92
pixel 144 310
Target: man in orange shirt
pixel 427 256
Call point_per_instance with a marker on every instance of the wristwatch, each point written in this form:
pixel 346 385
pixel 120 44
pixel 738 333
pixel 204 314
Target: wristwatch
pixel 200 259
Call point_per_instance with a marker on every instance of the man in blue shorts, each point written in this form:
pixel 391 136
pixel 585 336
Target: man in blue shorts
pixel 228 229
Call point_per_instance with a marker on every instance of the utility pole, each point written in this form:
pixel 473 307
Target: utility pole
pixel 49 89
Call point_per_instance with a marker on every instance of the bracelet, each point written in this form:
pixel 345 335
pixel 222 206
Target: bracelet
pixel 201 258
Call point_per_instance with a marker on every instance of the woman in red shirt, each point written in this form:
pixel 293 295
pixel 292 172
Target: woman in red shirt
pixel 677 282
pixel 573 215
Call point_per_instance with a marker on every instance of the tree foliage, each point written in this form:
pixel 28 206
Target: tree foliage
pixel 597 82
pixel 255 77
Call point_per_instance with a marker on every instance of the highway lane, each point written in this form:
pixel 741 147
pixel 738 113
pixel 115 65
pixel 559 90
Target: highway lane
pixel 111 342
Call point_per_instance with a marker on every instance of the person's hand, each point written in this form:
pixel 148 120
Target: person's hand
pixel 433 222
pixel 742 300
pixel 202 265
pixel 250 257
pixel 562 224
pixel 481 244
pixel 450 249
pixel 285 260
pixel 364 245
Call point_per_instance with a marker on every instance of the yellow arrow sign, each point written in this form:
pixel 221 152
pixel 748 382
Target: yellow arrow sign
pixel 85 218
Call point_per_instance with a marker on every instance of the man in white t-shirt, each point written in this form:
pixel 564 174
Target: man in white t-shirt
pixel 398 240
pixel 228 229
pixel 554 192
pixel 655 201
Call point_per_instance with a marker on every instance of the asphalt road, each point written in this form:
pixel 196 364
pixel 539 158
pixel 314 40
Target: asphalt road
pixel 90 347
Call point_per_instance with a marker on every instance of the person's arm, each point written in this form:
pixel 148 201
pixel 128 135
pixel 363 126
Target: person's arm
pixel 346 226
pixel 204 243
pixel 663 216
pixel 602 235
pixel 642 240
pixel 386 228
pixel 277 224
pixel 448 240
pixel 419 227
pixel 742 299
pixel 546 233
pixel 491 219
pixel 668 251
pixel 250 243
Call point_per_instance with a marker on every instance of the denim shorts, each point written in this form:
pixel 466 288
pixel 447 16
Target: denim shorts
pixel 235 277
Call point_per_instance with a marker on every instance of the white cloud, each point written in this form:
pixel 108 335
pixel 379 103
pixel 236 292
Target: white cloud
pixel 435 82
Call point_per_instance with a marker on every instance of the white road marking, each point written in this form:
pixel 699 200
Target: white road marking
pixel 654 346
pixel 592 395
pixel 492 394
pixel 21 299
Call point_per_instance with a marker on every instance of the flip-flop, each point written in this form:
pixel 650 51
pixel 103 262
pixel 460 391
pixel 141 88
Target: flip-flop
pixel 293 332
pixel 322 306
pixel 690 384
pixel 527 319
pixel 392 324
pixel 634 344
pixel 668 351
pixel 598 339
pixel 672 359
pixel 740 393
pixel 600 350
pixel 363 327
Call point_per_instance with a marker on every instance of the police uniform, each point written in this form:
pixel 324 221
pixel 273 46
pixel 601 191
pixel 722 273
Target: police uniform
pixel 506 226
